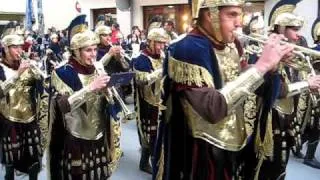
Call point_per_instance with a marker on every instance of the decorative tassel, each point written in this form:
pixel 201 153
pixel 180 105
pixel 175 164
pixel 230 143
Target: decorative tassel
pixel 189 74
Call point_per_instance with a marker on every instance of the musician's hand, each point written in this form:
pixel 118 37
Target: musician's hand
pixel 23 66
pixel 99 83
pixel 272 53
pixel 115 51
pixel 288 58
pixel 314 82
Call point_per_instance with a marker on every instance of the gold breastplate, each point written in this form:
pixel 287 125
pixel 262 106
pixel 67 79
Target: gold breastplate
pixel 85 122
pixel 150 95
pixel 230 133
pixel 18 105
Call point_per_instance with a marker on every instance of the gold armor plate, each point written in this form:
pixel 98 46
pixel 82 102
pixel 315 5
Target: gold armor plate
pixel 229 133
pixel 84 123
pixel 153 97
pixel 18 107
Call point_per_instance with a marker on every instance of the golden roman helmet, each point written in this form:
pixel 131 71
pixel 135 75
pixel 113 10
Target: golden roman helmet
pixel 213 6
pixel 83 39
pixel 283 6
pixel 11 40
pixel 102 29
pixel 289 19
pixel 198 4
pixel 10 36
pixel 80 35
pixel 158 34
pixel 315 30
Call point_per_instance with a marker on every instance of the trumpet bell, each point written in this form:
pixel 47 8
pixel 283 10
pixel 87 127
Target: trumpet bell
pixel 316 65
pixel 298 64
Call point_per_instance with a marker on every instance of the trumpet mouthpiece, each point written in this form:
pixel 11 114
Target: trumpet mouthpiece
pixel 237 32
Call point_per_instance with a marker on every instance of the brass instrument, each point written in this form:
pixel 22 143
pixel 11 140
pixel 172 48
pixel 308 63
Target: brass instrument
pixel 34 66
pixel 313 97
pixel 294 63
pixel 112 92
pixel 106 58
pixel 262 39
pixel 300 51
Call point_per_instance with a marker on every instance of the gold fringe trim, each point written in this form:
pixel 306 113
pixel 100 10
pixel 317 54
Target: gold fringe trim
pixel 189 74
pixel 141 76
pixel 59 85
pixel 264 149
pixel 160 165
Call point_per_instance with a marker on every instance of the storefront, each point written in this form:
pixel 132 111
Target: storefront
pixel 179 14
pixel 5 17
pixel 109 13
pixel 253 8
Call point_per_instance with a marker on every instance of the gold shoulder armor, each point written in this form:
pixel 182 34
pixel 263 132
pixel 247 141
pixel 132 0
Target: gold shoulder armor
pixel 59 85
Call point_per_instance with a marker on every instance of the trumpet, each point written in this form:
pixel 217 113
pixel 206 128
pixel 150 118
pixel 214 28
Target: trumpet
pixel 295 63
pixel 299 51
pixel 112 92
pixel 313 97
pixel 34 67
pixel 106 58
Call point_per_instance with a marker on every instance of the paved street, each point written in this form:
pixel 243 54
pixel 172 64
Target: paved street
pixel 128 169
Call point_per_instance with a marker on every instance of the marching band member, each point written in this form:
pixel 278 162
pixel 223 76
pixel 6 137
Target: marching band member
pixel 308 113
pixel 20 90
pixel 80 126
pixel 113 62
pixel 204 123
pixel 112 57
pixel 273 132
pixel 148 82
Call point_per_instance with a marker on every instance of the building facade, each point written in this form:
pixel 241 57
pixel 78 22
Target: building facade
pixel 59 13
